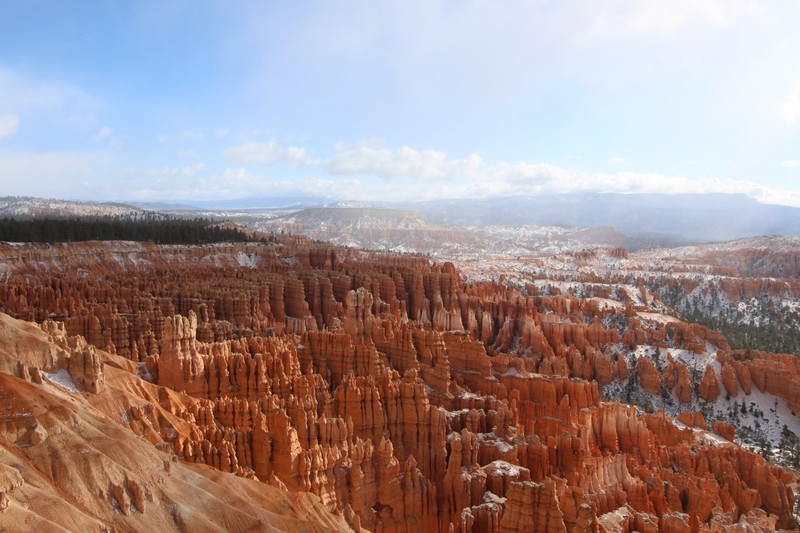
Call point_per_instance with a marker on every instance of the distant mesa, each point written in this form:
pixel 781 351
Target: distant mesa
pixel 21 206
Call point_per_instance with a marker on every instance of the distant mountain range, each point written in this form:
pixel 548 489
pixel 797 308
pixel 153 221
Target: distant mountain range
pixel 664 217
pixel 631 220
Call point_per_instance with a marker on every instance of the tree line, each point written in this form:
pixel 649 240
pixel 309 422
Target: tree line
pixel 147 228
pixel 775 336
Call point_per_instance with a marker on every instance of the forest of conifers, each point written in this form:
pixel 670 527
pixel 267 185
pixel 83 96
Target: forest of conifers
pixel 158 229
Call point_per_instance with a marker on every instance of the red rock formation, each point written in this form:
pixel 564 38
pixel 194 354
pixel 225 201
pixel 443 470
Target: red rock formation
pixel 724 430
pixel 676 378
pixel 649 378
pixel 772 373
pixel 709 386
pixel 532 507
pixel 398 396
pixel 729 379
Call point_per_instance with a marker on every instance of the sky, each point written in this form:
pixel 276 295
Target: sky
pixel 347 100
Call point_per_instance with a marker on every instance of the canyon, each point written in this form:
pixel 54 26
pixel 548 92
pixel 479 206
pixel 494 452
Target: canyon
pixel 308 386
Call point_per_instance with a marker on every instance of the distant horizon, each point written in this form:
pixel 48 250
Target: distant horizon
pixel 695 217
pixel 325 202
pixel 252 202
pixel 200 101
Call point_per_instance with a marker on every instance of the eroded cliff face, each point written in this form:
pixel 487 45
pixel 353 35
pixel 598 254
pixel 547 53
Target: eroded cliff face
pixel 401 398
pixel 72 457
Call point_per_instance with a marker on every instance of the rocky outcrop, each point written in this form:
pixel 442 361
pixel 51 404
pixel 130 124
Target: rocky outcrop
pixel 772 373
pixel 709 386
pixel 676 378
pixel 384 389
pixel 729 379
pixel 93 473
pixel 649 378
pixel 724 430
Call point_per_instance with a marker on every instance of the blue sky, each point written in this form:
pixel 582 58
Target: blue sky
pixel 351 100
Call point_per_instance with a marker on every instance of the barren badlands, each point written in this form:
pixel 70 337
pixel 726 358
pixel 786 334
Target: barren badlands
pixel 299 386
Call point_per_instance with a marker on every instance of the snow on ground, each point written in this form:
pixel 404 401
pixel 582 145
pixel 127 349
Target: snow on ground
pixel 62 379
pixel 490 439
pixel 605 303
pixel 246 260
pixel 765 414
pixel 698 361
pixel 634 294
pixel 511 371
pixel 467 395
pixel 656 317
pixel 707 437
pixel 758 417
pixel 503 468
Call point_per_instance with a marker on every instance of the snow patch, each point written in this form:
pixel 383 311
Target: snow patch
pixel 246 260
pixel 656 317
pixel 504 468
pixel 62 379
pixel 606 303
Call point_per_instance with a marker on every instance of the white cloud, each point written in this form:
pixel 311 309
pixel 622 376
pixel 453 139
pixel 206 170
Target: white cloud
pixel 537 175
pixel 778 196
pixel 36 96
pixel 369 159
pixel 182 136
pixel 8 125
pixel 617 160
pixel 790 110
pixel 791 163
pixel 221 132
pixel 59 174
pixel 470 176
pixel 612 19
pixel 235 183
pixel 554 179
pixel 104 133
pixel 168 172
pixel 268 153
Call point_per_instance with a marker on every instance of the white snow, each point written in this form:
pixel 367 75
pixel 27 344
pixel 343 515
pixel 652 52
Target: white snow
pixel 605 303
pixel 656 317
pixel 511 371
pixel 62 379
pixel 490 439
pixel 634 294
pixel 246 260
pixel 707 437
pixel 504 468
pixel 467 395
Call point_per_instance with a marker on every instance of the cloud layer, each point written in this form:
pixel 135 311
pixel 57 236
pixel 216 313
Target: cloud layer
pixel 790 110
pixel 466 99
pixel 8 125
pixel 267 153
